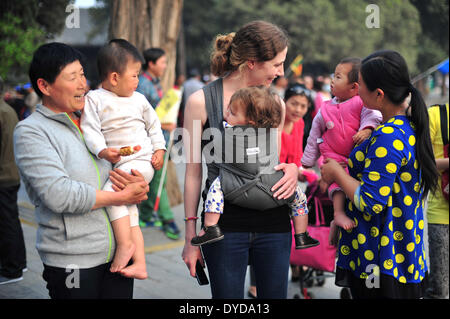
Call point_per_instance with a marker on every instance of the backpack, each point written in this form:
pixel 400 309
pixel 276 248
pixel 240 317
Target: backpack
pixel 444 133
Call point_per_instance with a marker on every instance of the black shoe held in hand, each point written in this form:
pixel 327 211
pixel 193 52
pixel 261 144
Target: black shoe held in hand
pixel 211 235
pixel 303 240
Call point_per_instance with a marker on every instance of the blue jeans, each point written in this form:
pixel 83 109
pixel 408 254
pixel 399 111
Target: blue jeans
pixel 227 262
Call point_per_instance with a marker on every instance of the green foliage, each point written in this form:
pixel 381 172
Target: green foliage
pixel 434 45
pixel 17 44
pixel 399 30
pixel 51 15
pixel 48 15
pixel 24 25
pixel 200 28
pixel 324 31
pixel 100 14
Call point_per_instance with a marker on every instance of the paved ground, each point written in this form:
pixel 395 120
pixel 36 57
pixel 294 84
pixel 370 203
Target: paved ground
pixel 168 275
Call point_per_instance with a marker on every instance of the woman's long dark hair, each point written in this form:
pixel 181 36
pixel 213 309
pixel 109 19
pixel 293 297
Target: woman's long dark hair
pixel 387 70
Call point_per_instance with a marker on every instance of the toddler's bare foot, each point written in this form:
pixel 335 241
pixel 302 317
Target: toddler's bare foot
pixel 124 252
pixel 341 220
pixel 136 270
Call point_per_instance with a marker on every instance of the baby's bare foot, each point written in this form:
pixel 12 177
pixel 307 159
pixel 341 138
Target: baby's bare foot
pixel 136 270
pixel 343 221
pixel 123 255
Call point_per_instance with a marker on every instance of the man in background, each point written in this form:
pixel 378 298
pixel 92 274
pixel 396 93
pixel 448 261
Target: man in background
pixel 12 245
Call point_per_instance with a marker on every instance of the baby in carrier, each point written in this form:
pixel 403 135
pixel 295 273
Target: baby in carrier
pixel 256 113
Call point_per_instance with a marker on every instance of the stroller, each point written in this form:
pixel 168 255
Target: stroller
pixel 317 263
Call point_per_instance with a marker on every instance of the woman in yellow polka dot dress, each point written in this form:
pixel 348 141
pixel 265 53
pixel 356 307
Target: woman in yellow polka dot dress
pixel 390 174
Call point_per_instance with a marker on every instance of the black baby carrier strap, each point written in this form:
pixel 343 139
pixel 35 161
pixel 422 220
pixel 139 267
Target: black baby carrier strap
pixel 243 157
pixel 213 92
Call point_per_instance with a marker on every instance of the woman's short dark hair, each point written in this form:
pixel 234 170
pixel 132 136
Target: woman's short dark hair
pixel 114 57
pixel 49 60
pixel 152 55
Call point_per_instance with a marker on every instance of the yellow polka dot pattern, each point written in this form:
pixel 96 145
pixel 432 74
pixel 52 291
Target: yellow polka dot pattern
pixel 389 214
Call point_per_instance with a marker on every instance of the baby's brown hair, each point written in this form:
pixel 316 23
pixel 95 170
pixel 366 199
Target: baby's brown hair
pixel 262 107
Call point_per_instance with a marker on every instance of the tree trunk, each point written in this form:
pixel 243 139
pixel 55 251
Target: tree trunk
pixel 181 53
pixel 149 23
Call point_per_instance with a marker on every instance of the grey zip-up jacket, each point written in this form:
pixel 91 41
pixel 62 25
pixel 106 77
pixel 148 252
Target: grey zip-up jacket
pixel 61 178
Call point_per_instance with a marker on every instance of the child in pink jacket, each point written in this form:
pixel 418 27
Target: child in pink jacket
pixel 340 124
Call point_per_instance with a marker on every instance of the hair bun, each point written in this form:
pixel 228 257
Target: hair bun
pixel 220 57
pixel 223 41
pixel 257 41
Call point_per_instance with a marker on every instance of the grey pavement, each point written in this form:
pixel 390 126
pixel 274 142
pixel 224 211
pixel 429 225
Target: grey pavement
pixel 168 275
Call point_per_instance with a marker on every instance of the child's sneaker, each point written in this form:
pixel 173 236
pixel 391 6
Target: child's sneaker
pixel 303 240
pixel 171 230
pixel 153 222
pixel 211 235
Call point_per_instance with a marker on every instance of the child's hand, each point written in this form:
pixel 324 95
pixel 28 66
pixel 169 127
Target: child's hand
pixel 158 159
pixel 362 135
pixel 307 175
pixel 110 154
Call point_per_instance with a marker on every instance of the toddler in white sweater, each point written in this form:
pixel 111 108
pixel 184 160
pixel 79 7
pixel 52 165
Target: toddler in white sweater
pixel 116 117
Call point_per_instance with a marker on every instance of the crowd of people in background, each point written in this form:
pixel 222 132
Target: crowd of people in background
pixel 23 99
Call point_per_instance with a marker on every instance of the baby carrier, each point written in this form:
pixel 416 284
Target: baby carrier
pixel 243 156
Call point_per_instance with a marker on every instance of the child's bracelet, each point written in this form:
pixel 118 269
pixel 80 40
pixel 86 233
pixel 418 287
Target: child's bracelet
pixel 190 218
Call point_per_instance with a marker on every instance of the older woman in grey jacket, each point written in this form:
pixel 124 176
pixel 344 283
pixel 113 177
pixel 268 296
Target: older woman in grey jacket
pixel 64 182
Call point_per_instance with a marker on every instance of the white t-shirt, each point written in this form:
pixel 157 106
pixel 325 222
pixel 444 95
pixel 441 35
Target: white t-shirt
pixel 109 120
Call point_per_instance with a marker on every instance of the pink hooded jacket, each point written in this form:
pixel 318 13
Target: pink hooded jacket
pixel 333 128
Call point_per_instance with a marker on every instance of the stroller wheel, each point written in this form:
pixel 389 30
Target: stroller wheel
pixel 320 281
